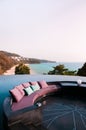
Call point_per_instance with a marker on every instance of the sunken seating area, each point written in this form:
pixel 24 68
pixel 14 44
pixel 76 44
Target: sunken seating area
pixel 26 94
pixel 24 99
pixel 62 109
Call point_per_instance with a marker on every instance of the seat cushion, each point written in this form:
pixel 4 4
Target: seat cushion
pixel 47 90
pixel 25 102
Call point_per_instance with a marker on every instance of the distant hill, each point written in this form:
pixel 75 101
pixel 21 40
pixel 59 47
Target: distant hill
pixel 7 60
pixel 19 58
pixel 9 54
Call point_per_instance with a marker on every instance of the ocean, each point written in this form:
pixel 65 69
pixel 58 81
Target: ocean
pixel 44 68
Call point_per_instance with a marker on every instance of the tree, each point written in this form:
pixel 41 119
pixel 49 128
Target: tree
pixel 61 70
pixel 22 69
pixel 82 70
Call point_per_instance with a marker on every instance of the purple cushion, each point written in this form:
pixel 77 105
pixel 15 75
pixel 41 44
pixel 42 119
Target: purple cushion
pixel 47 90
pixel 17 94
pixel 27 84
pixel 43 84
pixel 25 102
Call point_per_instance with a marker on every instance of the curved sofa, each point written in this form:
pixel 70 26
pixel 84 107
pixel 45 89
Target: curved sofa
pixel 32 98
pixel 14 110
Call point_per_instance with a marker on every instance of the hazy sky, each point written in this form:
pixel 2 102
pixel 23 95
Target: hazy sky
pixel 47 29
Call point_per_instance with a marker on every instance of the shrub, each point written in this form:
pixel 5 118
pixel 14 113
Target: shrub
pixel 61 70
pixel 82 70
pixel 22 69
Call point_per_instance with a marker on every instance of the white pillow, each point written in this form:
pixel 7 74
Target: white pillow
pixel 35 87
pixel 28 90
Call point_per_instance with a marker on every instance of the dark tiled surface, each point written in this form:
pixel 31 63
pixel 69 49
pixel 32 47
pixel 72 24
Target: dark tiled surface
pixel 64 114
pixel 59 113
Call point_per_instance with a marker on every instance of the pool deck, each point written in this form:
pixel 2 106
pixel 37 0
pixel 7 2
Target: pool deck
pixel 56 112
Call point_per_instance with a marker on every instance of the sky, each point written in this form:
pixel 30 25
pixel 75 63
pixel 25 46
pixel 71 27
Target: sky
pixel 46 29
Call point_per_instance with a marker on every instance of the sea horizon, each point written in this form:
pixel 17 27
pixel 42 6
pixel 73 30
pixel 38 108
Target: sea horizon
pixel 44 68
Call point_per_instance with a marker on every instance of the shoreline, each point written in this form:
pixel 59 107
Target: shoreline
pixel 11 71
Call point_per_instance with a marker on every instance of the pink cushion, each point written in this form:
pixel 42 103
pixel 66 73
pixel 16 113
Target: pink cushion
pixel 18 95
pixel 43 84
pixel 27 84
pixel 33 83
pixel 20 88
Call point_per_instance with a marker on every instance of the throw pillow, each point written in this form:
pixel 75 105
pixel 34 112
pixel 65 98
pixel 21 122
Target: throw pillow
pixel 35 87
pixel 20 88
pixel 17 95
pixel 34 83
pixel 43 84
pixel 27 84
pixel 28 91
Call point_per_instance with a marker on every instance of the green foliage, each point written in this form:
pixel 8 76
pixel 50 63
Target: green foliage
pixel 61 70
pixel 22 69
pixel 82 70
